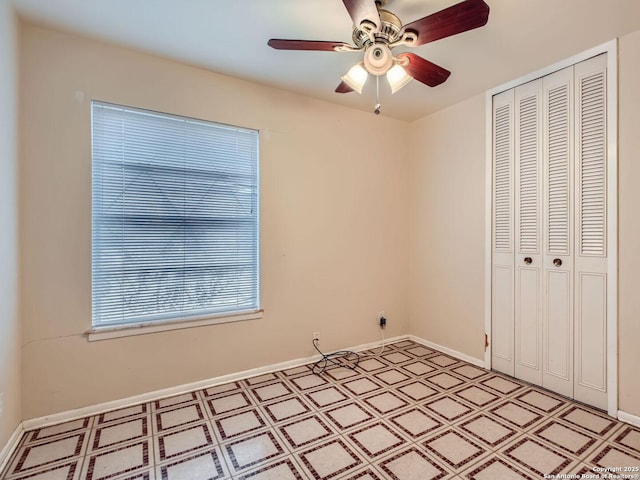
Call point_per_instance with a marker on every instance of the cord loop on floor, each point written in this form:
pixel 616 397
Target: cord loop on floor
pixel 342 358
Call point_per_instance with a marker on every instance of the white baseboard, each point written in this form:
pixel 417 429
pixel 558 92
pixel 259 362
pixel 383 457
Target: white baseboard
pixel 70 415
pixel 453 353
pixel 629 418
pixel 12 444
pixel 372 345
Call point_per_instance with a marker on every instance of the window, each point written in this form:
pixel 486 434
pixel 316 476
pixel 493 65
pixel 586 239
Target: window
pixel 174 217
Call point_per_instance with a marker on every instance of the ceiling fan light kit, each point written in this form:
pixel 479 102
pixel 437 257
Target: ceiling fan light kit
pixel 377 32
pixel 356 77
pixel 397 78
pixel 378 59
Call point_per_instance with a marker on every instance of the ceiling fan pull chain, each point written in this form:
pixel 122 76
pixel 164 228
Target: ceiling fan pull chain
pixel 376 109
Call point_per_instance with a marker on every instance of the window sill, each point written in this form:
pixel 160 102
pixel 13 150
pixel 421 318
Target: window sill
pixel 118 331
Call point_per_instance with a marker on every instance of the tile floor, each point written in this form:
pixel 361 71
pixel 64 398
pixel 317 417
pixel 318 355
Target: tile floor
pixel 409 413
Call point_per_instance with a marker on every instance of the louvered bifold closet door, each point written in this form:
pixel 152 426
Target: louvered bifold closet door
pixel 558 233
pixel 502 293
pixel 528 227
pixel 590 233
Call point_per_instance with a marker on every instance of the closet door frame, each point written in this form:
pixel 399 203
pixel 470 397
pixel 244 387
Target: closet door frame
pixel 611 50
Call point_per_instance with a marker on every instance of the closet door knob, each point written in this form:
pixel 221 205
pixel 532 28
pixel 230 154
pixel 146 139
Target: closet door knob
pixel 528 260
pixel 557 262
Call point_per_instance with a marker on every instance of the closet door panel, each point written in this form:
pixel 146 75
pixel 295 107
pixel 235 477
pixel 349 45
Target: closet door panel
pixel 558 372
pixel 502 294
pixel 528 226
pixel 591 227
pixel 591 333
pixel 528 332
pixel 502 328
pixel 558 228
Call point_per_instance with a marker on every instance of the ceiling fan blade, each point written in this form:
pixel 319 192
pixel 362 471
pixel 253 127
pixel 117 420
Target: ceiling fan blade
pixel 456 19
pixel 281 44
pixel 424 71
pixel 344 88
pixel 361 10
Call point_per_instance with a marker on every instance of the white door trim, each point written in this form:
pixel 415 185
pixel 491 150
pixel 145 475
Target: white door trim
pixel 612 227
pixel 611 49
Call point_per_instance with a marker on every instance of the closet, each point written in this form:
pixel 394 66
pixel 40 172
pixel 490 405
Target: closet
pixel 549 235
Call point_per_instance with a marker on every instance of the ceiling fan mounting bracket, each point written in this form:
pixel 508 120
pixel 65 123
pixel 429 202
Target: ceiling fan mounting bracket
pixel 346 48
pixel 367 26
pixel 408 39
pixel 402 61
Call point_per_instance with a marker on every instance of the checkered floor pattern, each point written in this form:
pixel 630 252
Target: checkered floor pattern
pixel 411 413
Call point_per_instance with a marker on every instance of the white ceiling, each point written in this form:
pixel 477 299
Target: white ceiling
pixel 230 37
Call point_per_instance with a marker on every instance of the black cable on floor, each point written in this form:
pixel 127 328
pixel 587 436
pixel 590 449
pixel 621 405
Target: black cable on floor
pixel 342 358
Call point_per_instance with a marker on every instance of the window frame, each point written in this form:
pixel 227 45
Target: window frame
pixel 179 320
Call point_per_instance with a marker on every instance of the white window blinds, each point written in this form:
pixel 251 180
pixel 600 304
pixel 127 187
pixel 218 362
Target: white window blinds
pixel 175 217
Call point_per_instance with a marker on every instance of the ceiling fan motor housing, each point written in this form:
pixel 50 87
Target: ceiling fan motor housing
pixel 390 27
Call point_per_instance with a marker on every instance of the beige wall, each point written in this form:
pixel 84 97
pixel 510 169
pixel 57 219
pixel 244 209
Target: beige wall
pixel 9 324
pixel 447 239
pixel 629 223
pixel 334 224
pixel 448 194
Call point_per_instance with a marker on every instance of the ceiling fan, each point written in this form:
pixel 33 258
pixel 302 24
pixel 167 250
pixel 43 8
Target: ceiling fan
pixel 377 32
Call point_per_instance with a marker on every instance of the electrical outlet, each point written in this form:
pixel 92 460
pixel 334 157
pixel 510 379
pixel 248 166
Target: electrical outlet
pixel 316 336
pixel 382 319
